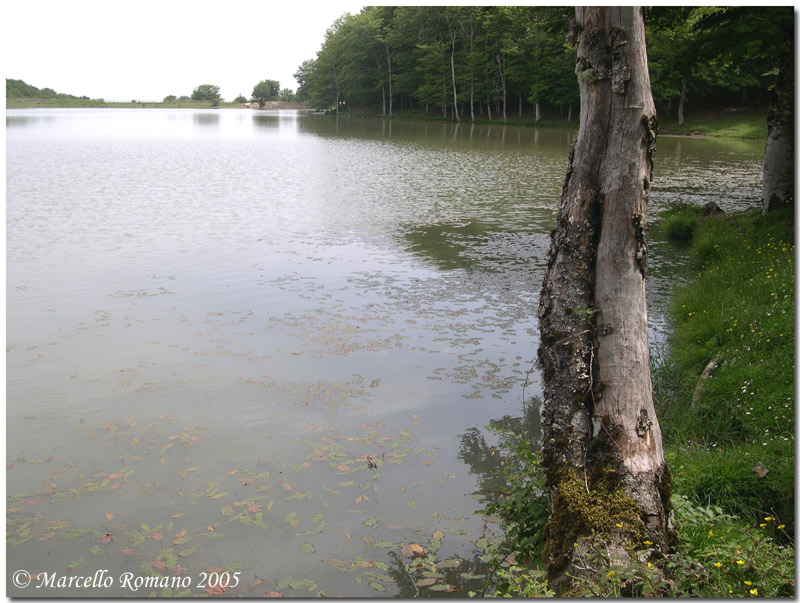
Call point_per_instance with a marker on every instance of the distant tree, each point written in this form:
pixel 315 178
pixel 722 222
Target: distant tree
pixel 170 99
pixel 266 90
pixel 206 92
pixel 240 99
pixel 286 95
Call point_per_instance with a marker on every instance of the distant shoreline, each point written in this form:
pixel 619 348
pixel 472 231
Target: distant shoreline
pixel 82 103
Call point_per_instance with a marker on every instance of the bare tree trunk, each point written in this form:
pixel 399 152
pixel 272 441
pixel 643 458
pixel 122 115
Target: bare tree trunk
pixel 453 74
pixel 607 482
pixel 778 176
pixel 389 63
pixel 502 72
pixel 681 102
pixel 538 112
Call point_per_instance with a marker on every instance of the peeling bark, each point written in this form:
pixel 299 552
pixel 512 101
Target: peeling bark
pixel 601 441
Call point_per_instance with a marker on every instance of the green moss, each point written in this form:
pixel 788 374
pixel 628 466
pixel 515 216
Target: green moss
pixel 582 508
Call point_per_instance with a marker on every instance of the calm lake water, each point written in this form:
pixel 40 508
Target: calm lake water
pixel 270 342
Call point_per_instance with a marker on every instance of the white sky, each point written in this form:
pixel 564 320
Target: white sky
pixel 148 49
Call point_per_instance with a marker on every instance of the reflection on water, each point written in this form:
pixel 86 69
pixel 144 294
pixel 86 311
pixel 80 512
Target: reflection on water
pixel 269 342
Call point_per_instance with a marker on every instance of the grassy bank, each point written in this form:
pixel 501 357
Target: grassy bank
pixel 733 122
pixel 726 388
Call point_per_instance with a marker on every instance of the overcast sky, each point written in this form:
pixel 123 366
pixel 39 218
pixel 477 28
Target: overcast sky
pixel 148 49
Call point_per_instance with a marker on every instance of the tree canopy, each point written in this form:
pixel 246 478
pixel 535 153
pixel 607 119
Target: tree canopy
pixel 496 60
pixel 266 90
pixel 206 92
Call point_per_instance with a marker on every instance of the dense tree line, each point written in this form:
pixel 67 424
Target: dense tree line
pixel 465 61
pixel 19 89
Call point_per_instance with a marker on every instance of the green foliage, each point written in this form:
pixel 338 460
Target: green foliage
pixel 266 90
pixel 731 440
pixel 522 506
pixel 490 60
pixel 206 92
pixel 721 556
pixel 19 89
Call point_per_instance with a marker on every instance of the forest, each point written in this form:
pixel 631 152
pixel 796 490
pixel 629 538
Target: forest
pixel 495 62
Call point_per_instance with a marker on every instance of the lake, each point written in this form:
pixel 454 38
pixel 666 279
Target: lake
pixel 269 343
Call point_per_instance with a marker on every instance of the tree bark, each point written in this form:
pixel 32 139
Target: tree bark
pixel 389 63
pixel 778 175
pixel 681 103
pixel 607 481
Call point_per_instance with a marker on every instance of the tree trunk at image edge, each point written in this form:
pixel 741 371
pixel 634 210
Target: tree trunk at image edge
pixel 778 175
pixel 607 482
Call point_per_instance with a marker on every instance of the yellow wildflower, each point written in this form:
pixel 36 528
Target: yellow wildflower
pixel 717 564
pixel 739 562
pixel 710 533
pixel 780 527
pixel 768 518
pixel 748 583
pixel 610 574
pixel 754 592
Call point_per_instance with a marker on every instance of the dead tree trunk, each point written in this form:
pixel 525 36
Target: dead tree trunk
pixel 607 482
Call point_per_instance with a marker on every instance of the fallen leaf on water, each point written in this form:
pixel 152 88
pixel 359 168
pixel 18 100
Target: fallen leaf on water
pixel 157 536
pixel 31 501
pixel 426 582
pixel 338 562
pixel 47 536
pixel 160 565
pixel 416 548
pixel 254 508
pixel 438 535
pixel 127 551
pixel 369 540
pixel 109 516
pixel 106 538
pixel 342 467
pixel 286 486
pixel 115 475
pixel 214 590
pixel 178 515
pixel 274 594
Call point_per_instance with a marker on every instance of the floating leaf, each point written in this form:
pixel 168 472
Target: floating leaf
pixel 426 582
pixel 438 535
pixel 307 548
pixel 106 538
pixel 128 551
pixel 378 586
pixel 338 563
pixel 109 516
pixel 188 552
pixel 159 565
pixel 317 517
pixel 449 563
pixel 371 522
pixel 96 550
pixel 417 548
pixel 308 583
pixel 369 540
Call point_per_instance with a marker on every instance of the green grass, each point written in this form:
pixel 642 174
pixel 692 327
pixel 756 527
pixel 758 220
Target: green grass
pixel 738 308
pixel 721 123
